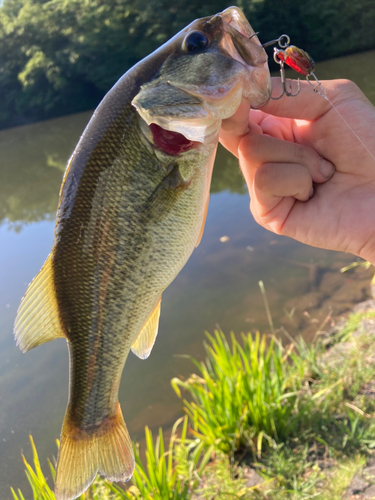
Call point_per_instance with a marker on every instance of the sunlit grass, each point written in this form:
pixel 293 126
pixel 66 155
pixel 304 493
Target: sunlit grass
pixel 37 479
pixel 258 398
pixel 244 394
pixel 171 473
pixel 341 479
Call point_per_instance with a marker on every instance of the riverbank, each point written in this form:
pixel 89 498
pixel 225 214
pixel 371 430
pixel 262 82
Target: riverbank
pixel 265 421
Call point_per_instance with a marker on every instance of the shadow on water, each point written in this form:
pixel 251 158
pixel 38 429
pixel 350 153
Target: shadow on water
pixel 219 285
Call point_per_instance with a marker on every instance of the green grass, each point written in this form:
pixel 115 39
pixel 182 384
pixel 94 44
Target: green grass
pixel 37 479
pixel 288 412
pixel 245 393
pixel 171 473
pixel 336 487
pixel 353 323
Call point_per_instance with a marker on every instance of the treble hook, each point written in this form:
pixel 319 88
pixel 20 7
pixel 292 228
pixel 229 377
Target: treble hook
pixel 297 59
pixel 280 61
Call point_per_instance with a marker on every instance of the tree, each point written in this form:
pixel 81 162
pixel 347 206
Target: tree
pixel 62 56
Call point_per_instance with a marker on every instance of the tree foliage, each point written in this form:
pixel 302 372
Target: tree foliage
pixel 62 56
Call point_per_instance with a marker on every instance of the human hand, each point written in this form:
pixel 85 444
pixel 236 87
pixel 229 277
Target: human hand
pixel 308 175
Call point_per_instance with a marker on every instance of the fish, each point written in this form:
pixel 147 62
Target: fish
pixel 131 210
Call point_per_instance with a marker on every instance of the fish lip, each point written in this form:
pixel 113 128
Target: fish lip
pixel 240 39
pixel 235 18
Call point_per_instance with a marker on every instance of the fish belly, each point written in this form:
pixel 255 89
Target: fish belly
pixel 111 269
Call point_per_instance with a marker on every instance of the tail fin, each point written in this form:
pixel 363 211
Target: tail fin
pixel 107 449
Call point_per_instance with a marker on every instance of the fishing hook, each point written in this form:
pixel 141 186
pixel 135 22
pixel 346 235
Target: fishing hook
pixel 283 42
pixel 285 91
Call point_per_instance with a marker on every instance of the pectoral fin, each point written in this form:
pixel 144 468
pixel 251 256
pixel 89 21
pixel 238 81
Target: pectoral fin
pixel 203 223
pixel 146 338
pixel 164 198
pixel 37 319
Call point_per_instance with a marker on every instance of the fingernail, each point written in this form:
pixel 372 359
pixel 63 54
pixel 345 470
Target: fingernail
pixel 311 194
pixel 326 168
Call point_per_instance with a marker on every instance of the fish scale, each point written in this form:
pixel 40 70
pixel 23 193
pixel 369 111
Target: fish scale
pixel 118 312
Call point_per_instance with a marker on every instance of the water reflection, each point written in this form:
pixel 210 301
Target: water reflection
pixel 219 285
pixel 32 165
pixel 34 159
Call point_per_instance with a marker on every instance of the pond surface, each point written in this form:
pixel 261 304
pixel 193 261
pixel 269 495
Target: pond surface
pixel 219 286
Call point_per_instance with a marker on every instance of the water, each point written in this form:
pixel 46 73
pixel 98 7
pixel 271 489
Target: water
pixel 218 286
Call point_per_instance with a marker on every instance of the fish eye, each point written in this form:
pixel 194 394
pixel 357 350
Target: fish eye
pixel 195 40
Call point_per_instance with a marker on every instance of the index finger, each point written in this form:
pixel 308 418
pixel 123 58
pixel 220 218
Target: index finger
pixel 308 105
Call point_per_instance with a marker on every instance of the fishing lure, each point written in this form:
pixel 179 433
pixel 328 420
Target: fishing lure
pixel 304 64
pixel 297 59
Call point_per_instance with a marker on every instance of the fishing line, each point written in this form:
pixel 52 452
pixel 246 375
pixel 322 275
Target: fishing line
pixel 323 94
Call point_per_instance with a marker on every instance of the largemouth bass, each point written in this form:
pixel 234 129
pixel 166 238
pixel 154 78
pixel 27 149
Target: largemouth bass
pixel 132 208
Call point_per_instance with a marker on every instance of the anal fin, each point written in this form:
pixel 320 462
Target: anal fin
pixel 37 319
pixel 145 340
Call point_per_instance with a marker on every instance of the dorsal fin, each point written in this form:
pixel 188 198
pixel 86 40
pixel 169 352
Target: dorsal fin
pixel 145 340
pixel 203 223
pixel 37 319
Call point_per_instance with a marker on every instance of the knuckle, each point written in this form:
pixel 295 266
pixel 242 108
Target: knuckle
pixel 257 217
pixel 299 153
pixel 348 86
pixel 307 156
pixel 305 193
pixel 252 142
pixel 264 176
pixel 346 90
